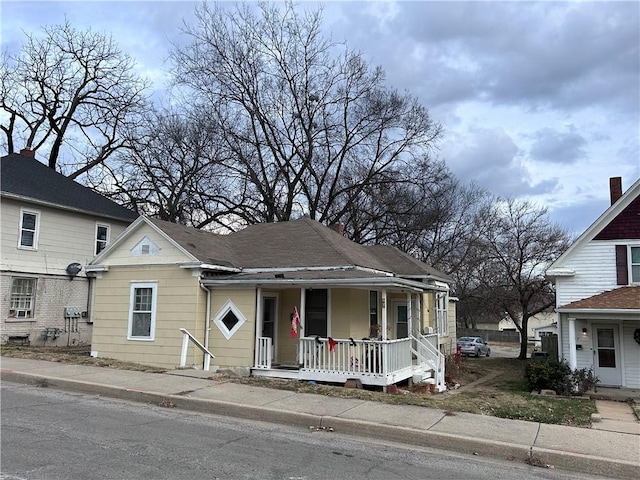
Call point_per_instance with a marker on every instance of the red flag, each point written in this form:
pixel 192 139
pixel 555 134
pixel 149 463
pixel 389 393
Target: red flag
pixel 332 344
pixel 295 321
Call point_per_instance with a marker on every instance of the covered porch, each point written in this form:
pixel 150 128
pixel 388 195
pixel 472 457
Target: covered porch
pixel 378 335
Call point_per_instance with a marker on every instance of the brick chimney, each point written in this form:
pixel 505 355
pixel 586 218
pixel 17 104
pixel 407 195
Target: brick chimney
pixel 338 227
pixel 615 189
pixel 25 152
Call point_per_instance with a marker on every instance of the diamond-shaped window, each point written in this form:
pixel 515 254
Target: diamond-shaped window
pixel 229 319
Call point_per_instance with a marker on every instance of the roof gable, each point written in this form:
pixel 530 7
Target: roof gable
pixel 27 178
pixel 625 225
pixel 628 203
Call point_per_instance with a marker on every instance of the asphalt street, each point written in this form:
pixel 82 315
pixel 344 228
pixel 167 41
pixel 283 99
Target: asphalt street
pixel 49 434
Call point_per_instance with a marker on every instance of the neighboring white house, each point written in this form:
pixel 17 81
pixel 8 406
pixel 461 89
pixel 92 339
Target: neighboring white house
pixel 535 322
pixel 598 293
pixel 51 227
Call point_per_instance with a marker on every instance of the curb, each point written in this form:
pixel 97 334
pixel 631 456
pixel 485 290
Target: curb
pixel 357 428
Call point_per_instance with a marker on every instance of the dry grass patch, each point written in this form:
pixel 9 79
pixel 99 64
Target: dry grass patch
pixel 78 355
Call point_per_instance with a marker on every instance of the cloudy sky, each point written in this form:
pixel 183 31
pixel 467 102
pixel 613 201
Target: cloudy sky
pixel 539 100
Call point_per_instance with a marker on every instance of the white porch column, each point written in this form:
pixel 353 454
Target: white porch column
pixel 409 314
pixel 301 330
pixel 573 361
pixel 384 314
pixel 258 324
pixel 419 312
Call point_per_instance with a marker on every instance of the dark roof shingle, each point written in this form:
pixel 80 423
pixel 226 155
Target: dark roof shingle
pixel 27 177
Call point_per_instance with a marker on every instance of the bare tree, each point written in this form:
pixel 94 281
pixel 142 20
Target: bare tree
pixel 519 243
pixel 68 95
pixel 309 126
pixel 175 173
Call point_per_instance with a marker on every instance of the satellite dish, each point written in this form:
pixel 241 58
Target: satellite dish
pixel 73 269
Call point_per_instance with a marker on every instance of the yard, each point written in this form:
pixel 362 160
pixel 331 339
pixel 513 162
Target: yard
pixel 487 386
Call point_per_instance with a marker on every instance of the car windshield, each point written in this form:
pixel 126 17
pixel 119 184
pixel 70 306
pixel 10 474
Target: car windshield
pixel 465 339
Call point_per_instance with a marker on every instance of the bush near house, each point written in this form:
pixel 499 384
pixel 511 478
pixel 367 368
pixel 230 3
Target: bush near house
pixel 559 377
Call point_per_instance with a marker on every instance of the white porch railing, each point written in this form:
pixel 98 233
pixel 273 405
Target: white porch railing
pixel 186 336
pixel 427 351
pixel 264 348
pixel 356 358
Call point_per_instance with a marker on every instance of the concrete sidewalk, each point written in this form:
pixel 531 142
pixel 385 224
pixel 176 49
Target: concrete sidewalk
pixel 596 451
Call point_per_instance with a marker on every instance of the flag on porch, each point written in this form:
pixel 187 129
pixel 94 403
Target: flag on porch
pixel 295 322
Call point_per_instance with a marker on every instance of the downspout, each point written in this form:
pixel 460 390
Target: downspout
pixel 207 325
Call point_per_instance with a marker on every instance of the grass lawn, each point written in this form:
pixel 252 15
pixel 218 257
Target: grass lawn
pixel 503 395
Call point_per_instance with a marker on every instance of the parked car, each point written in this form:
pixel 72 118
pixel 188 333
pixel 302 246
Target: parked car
pixel 473 346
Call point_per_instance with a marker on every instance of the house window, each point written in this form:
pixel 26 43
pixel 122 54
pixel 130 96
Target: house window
pixel 316 312
pixel 142 311
pixel 29 223
pixel 23 297
pixel 442 320
pixel 373 307
pixel 229 319
pixel 102 237
pixel 635 264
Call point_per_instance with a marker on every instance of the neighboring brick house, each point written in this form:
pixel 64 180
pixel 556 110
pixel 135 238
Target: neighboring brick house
pixel 51 227
pixel 598 293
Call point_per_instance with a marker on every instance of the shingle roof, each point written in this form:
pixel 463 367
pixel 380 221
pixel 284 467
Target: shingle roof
pixel 27 177
pixel 404 264
pixel 298 244
pixel 207 247
pixel 623 298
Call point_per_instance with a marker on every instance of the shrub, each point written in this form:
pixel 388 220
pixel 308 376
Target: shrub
pixel 549 375
pixel 559 377
pixel 583 380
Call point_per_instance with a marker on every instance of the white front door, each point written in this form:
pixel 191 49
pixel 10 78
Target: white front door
pixel 607 355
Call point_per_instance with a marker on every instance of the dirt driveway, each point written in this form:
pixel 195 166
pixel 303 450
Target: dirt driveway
pixel 505 350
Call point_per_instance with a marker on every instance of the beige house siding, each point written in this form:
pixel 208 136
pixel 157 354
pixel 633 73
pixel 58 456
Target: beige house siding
pixel 180 304
pixel 238 351
pixel 287 346
pixel 168 253
pixel 349 313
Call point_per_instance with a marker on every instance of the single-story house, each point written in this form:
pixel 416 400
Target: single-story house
pixel 291 299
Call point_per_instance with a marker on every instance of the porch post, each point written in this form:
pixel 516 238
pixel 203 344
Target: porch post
pixel 384 314
pixel 573 361
pixel 409 315
pixel 419 311
pixel 258 324
pixel 301 330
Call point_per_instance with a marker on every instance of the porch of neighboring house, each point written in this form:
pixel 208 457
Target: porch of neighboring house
pixel 374 361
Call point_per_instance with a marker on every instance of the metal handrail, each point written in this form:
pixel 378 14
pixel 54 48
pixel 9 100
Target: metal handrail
pixel 186 336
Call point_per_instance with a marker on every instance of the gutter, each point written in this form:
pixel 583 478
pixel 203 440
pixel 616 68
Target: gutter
pixel 207 323
pixel 617 311
pixel 353 282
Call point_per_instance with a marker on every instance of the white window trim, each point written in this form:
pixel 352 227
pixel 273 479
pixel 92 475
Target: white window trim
pixel 36 234
pixel 16 318
pixel 226 308
pixel 630 265
pixel 442 314
pixel 154 302
pixel 95 245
